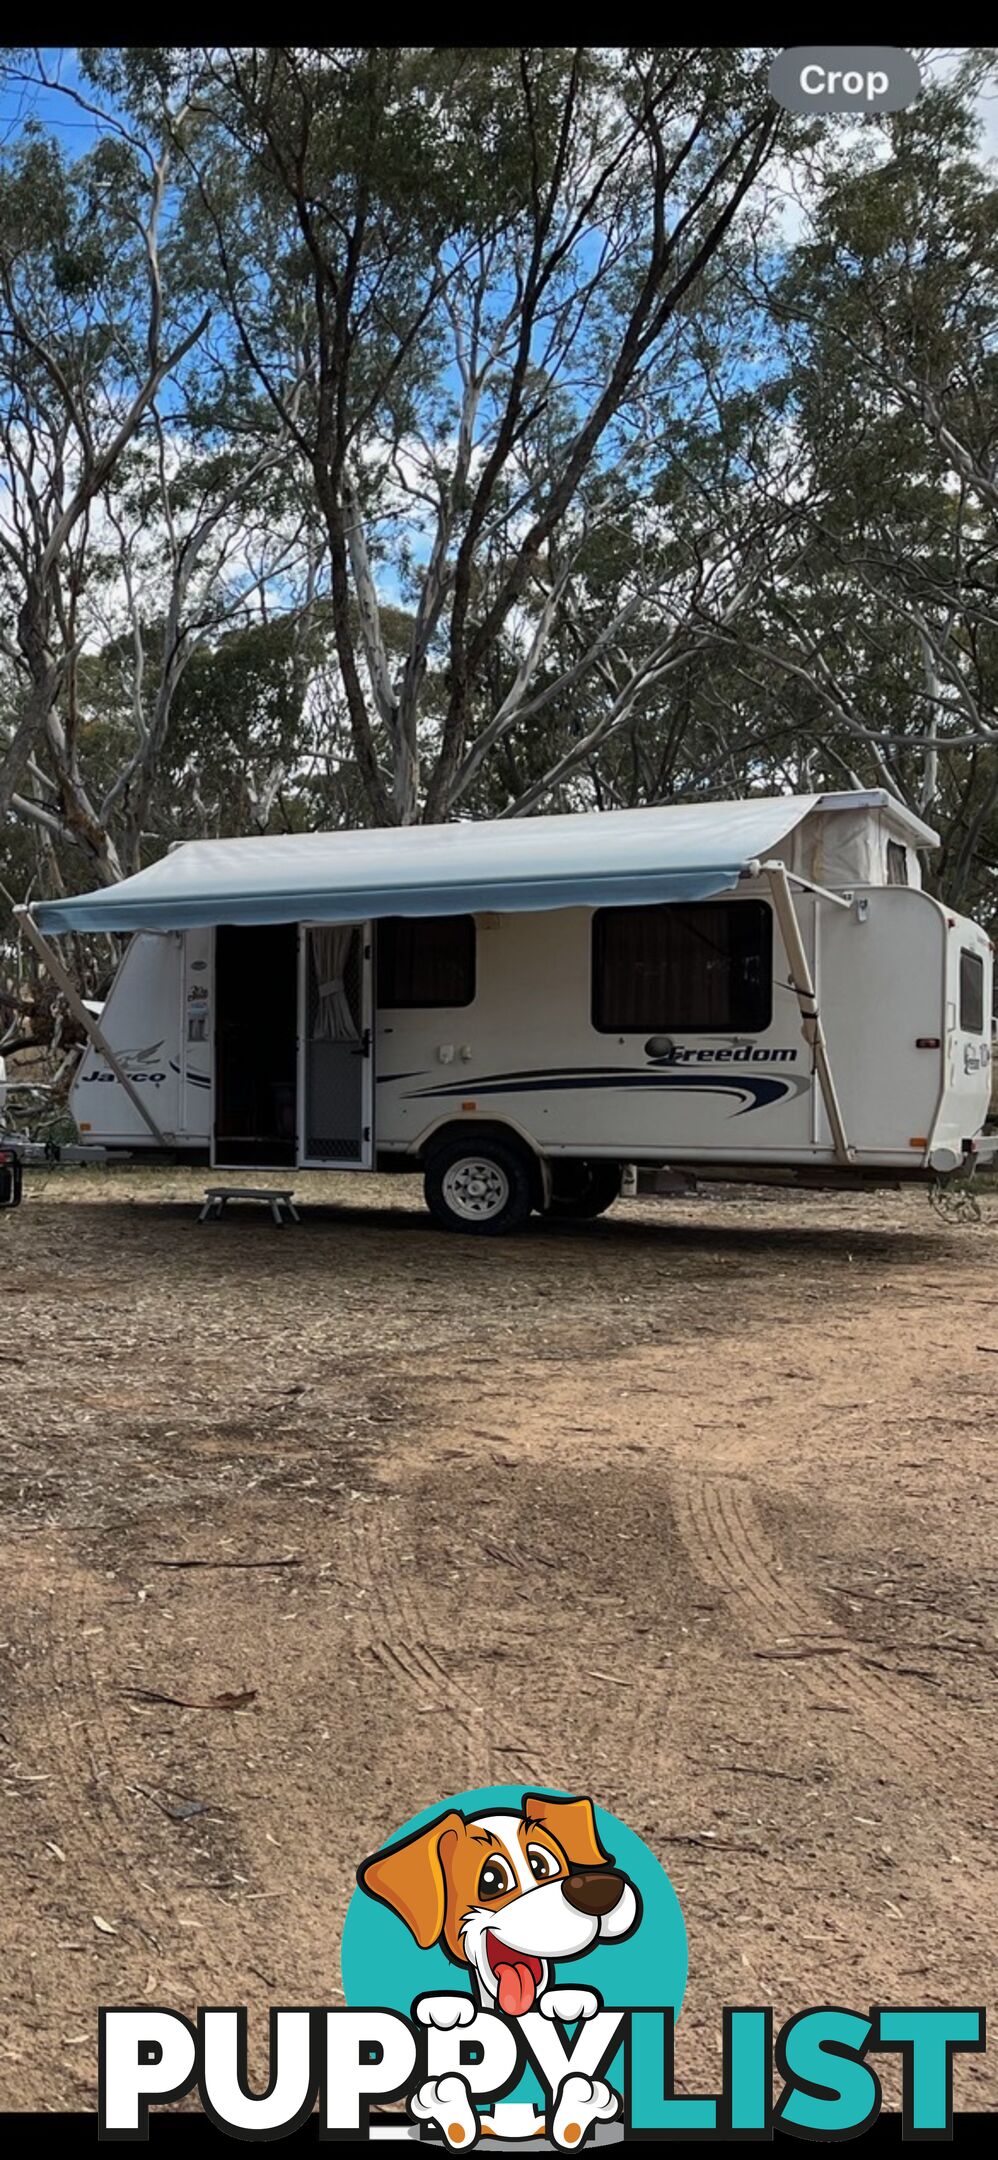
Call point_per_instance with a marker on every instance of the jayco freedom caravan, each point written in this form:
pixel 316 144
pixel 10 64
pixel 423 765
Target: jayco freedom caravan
pixel 520 1009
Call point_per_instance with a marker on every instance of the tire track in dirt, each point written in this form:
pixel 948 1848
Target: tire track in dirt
pixel 73 1746
pixel 728 1546
pixel 394 1637
pixel 726 1541
pixel 66 1721
pixel 206 1954
pixel 390 1635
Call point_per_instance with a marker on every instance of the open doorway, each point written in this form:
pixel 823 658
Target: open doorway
pixel 336 1107
pixel 256 1044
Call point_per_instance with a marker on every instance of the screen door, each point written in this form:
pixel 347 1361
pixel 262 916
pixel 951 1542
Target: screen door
pixel 335 1122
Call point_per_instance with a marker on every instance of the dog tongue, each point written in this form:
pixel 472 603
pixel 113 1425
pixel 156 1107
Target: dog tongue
pixel 517 1989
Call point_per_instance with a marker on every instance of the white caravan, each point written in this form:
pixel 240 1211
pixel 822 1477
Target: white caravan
pixel 522 1010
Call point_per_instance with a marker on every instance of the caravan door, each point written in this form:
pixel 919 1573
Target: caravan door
pixel 335 1064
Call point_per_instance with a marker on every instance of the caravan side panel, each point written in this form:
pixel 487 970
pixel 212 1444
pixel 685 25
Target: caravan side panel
pixel 142 1022
pixel 528 1051
pixel 969 996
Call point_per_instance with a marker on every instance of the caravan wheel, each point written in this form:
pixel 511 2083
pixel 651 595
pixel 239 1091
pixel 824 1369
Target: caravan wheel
pixel 582 1190
pixel 483 1189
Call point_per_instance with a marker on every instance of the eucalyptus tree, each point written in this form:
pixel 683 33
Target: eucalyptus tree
pixel 452 271
pixel 89 334
pixel 146 503
pixel 878 636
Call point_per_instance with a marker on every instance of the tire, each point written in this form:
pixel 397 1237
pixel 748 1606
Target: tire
pixel 583 1190
pixel 482 1188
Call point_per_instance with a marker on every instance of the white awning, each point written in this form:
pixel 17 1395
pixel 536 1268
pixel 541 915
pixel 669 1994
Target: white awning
pixel 684 851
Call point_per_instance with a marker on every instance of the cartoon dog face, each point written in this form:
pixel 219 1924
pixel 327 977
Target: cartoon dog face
pixel 506 1894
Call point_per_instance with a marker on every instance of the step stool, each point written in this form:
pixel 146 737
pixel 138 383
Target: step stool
pixel 218 1196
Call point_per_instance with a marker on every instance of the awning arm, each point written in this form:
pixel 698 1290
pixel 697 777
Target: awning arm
pixel 808 885
pixel 88 1023
pixel 802 984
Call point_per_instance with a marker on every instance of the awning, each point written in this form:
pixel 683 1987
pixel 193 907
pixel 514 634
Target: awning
pixel 684 851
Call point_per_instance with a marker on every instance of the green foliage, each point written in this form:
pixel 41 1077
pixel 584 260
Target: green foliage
pixel 785 532
pixel 240 702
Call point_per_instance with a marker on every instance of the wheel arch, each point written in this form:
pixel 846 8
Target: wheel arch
pixel 469 1130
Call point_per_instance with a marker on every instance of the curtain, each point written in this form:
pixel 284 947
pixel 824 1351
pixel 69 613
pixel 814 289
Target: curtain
pixel 703 969
pixel 333 1020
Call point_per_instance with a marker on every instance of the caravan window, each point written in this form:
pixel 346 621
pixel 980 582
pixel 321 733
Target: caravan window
pixel 706 969
pixel 426 960
pixel 897 863
pixel 971 993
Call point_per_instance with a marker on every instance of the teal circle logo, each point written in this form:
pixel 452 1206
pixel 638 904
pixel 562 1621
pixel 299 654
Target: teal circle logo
pixel 398 1945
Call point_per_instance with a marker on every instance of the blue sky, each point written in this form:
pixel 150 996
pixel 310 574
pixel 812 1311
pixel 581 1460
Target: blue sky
pixel 17 102
pixel 24 101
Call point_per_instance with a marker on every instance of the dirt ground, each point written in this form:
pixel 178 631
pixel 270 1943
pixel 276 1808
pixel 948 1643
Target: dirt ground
pixel 692 1509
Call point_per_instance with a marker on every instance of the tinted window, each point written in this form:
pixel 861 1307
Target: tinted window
pixel 426 960
pixel 705 969
pixel 971 993
pixel 897 863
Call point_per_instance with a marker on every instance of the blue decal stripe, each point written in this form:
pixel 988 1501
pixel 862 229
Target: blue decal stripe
pixel 756 1093
pixel 195 1079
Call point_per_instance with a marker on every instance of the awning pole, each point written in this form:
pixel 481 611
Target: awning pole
pixel 802 984
pixel 91 1027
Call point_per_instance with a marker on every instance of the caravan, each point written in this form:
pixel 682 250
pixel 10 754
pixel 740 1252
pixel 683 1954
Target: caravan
pixel 524 1010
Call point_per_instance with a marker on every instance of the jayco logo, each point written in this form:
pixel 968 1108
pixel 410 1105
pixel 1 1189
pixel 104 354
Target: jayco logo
pixel 514 1965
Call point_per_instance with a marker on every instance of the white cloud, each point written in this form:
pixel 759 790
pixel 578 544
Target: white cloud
pixel 792 182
